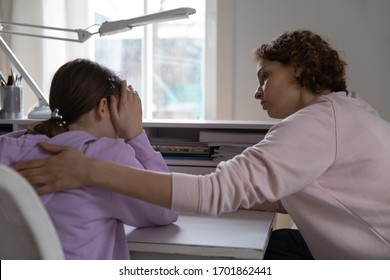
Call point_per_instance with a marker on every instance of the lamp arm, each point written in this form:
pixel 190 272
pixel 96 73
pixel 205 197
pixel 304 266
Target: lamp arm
pixel 26 76
pixel 82 34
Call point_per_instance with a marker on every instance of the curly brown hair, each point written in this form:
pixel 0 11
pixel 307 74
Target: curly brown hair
pixel 319 66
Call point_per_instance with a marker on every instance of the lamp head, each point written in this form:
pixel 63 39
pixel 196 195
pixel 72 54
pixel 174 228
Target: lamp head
pixel 113 27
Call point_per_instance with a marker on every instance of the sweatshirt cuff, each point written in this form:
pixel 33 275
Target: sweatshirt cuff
pixel 185 193
pixel 141 145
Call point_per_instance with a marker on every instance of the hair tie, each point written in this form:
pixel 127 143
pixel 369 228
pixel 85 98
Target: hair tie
pixel 113 82
pixel 57 117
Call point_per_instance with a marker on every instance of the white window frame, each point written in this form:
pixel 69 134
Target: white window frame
pixel 218 50
pixel 147 69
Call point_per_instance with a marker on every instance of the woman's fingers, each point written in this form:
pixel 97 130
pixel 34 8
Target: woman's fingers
pixel 35 176
pixel 27 164
pixel 64 170
pixel 55 149
pixel 46 189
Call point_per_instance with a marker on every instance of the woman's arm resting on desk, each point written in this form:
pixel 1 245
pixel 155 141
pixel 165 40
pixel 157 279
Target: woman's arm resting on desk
pixel 82 170
pixel 270 207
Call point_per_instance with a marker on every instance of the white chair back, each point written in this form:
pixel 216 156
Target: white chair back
pixel 26 230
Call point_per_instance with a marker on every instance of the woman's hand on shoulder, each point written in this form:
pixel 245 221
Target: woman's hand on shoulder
pixel 66 169
pixel 126 114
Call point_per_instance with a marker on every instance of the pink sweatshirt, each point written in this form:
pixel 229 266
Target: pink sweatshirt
pixel 329 165
pixel 89 221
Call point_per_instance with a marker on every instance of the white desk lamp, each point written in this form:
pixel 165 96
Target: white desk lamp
pixel 42 111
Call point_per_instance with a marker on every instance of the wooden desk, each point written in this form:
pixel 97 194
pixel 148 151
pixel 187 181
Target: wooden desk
pixel 240 235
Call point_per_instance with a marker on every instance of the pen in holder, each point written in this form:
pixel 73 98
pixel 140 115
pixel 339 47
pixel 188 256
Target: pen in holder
pixel 11 102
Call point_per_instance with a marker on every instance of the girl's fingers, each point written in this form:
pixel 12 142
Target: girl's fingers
pixel 124 94
pixel 114 107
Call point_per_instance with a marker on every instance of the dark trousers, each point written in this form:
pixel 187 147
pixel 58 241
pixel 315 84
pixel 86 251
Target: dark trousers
pixel 287 244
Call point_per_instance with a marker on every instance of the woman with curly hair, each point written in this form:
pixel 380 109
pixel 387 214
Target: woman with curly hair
pixel 326 163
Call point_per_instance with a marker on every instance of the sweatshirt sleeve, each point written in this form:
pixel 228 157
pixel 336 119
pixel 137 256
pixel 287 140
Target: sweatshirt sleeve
pixel 138 213
pixel 141 155
pixel 293 154
pixel 146 155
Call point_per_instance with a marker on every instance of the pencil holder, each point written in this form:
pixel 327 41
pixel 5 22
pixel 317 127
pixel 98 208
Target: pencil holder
pixel 11 102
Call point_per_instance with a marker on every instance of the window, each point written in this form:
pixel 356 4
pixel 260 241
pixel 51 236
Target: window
pixel 164 62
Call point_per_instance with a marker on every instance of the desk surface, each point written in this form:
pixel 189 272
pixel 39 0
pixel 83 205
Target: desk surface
pixel 241 235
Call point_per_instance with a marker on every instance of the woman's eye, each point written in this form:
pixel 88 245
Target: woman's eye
pixel 264 77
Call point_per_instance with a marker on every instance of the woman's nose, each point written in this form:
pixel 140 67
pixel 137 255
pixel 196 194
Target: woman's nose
pixel 258 93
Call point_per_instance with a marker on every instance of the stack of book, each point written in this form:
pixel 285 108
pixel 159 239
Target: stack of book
pixel 212 145
pixel 181 149
pixel 237 138
pixel 228 144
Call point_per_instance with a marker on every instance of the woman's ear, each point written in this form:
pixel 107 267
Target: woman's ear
pixel 297 75
pixel 298 72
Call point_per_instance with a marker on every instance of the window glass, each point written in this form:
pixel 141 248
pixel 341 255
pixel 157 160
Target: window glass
pixel 163 61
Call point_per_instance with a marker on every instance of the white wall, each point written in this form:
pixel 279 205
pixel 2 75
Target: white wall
pixel 30 51
pixel 360 29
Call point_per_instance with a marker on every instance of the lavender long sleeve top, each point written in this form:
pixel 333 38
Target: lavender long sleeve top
pixel 89 221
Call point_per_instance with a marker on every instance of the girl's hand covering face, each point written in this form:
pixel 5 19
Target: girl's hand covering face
pixel 126 114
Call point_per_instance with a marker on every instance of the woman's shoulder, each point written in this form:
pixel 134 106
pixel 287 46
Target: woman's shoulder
pixel 315 120
pixel 320 111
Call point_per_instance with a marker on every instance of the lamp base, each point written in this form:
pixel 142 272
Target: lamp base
pixel 40 112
